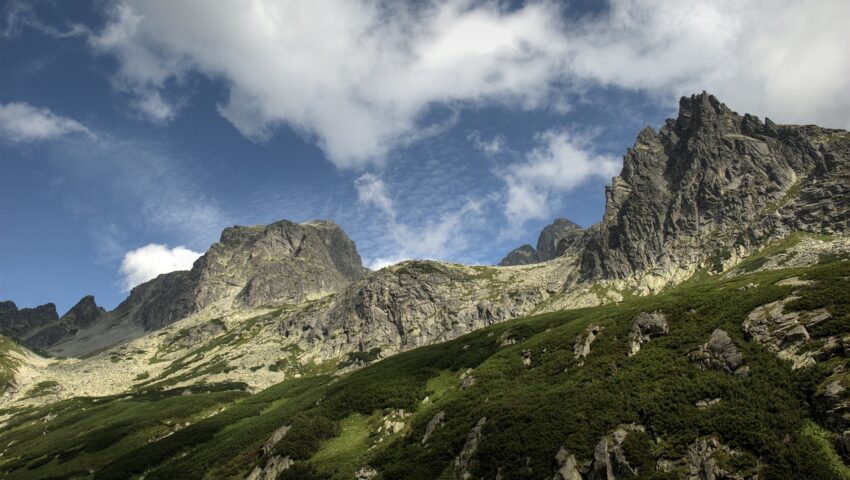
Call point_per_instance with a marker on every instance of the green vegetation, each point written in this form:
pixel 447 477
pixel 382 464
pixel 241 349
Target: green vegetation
pixel 8 364
pixel 532 410
pixel 43 388
pixel 361 358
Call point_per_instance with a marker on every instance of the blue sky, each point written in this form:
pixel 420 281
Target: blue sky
pixel 132 132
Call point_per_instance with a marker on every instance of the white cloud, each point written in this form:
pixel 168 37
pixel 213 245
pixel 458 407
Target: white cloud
pixel 357 76
pixel 372 191
pixel 438 238
pixel 491 147
pixel 354 76
pixel 23 123
pixel 145 263
pixel 559 164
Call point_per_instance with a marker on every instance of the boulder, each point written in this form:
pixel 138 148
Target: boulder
pixel 581 348
pixel 567 466
pixel 645 327
pixel 465 461
pixel 438 420
pixel 719 353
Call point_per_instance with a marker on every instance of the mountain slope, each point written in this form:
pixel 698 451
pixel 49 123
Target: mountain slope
pixel 503 402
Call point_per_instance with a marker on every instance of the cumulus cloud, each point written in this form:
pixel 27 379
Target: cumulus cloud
pixel 145 263
pixel 560 163
pixel 433 238
pixel 357 77
pixel 21 122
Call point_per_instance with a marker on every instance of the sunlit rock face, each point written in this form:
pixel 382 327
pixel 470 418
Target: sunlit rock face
pixel 710 186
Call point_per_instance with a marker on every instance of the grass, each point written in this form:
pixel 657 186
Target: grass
pixel 532 410
pixel 341 456
pixel 8 364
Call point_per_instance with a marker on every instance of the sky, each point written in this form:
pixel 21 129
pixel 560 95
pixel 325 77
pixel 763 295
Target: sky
pixel 133 132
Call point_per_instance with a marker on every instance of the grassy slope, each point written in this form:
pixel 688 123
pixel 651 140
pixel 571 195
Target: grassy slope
pixel 531 410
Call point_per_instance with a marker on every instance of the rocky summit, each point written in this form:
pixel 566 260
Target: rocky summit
pixel 710 187
pixel 555 239
pixel 699 331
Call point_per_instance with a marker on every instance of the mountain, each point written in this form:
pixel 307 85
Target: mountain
pixel 554 240
pixel 40 328
pixel 249 267
pixel 20 323
pixel 712 186
pixel 697 331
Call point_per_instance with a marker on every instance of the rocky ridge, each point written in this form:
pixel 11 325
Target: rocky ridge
pixel 702 193
pixel 712 186
pixel 555 240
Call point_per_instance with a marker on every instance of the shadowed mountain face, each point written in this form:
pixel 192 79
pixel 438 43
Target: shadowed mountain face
pixel 18 323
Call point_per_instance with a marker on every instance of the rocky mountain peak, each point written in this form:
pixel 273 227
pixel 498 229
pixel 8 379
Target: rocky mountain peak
pixel 555 239
pixel 17 322
pixel 250 266
pixel 282 262
pixel 714 184
pixel 85 311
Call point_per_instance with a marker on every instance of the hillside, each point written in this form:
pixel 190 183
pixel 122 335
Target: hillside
pixel 503 401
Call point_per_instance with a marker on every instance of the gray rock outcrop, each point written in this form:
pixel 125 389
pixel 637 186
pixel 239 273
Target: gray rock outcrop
pixel 702 461
pixel 567 466
pixel 581 347
pixel 609 458
pixel 465 461
pixel 645 327
pixel 719 353
pixel 784 333
pixel 438 420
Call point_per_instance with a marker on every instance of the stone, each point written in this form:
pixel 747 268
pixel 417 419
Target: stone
pixel 609 458
pixel 645 327
pixel 706 403
pixel 275 465
pixel 718 353
pixel 567 466
pixel 581 348
pixel 702 461
pixel 465 461
pixel 438 420
pixel 275 438
pixel 365 473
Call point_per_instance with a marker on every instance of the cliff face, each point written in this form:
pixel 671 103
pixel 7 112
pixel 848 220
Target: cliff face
pixel 20 323
pixel 279 263
pixel 712 185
